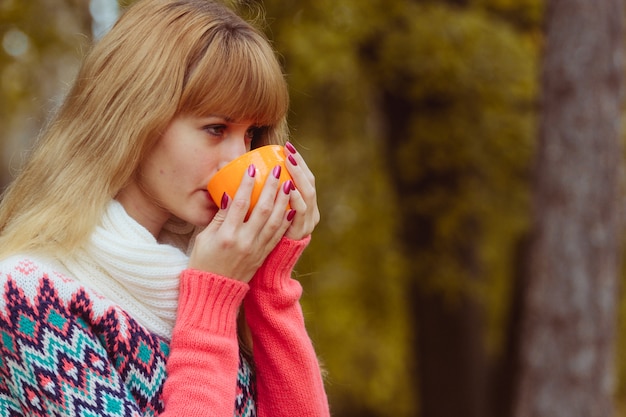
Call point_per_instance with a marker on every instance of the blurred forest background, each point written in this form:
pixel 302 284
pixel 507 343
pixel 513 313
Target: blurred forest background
pixel 418 118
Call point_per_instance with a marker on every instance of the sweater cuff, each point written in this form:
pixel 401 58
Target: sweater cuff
pixel 208 301
pixel 276 270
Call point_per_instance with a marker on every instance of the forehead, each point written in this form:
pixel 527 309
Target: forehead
pixel 241 80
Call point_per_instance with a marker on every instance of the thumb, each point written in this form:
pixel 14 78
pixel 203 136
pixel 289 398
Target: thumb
pixel 220 216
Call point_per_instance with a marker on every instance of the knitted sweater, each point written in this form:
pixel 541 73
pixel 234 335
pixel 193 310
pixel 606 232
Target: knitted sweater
pixel 67 351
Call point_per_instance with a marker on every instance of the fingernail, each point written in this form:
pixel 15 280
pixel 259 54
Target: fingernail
pixel 290 147
pixel 276 171
pixel 293 186
pixel 287 186
pixel 252 170
pixel 292 160
pixel 291 215
pixel 224 204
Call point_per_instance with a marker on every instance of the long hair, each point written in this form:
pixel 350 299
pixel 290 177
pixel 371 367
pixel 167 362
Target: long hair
pixel 161 59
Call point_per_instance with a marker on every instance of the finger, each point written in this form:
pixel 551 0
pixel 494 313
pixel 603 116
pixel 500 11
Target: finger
pixel 238 207
pixel 220 216
pixel 269 214
pixel 301 174
pixel 266 201
pixel 297 202
pixel 276 224
pixel 295 163
pixel 305 219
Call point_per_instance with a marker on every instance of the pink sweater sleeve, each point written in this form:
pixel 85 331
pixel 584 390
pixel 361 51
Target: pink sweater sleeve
pixel 203 363
pixel 289 381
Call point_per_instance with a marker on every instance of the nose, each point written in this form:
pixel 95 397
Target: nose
pixel 231 148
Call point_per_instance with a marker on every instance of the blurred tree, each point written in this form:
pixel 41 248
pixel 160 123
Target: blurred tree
pixel 355 293
pixel 571 298
pixel 524 15
pixel 41 46
pixel 456 96
pixel 419 118
pixel 416 117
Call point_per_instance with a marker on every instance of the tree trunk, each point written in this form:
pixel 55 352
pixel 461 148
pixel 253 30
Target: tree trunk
pixel 451 374
pixel 571 305
pixel 450 355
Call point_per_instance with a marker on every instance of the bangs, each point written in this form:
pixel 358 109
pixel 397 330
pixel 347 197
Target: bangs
pixel 238 77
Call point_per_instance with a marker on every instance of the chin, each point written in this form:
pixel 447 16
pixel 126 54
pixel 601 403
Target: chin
pixel 204 220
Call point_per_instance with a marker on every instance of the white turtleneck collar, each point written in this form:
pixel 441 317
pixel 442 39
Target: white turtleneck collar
pixel 125 263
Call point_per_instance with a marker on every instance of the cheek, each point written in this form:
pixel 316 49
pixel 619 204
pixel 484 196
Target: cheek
pixel 188 171
pixel 202 163
pixel 181 166
pixel 166 164
pixel 157 173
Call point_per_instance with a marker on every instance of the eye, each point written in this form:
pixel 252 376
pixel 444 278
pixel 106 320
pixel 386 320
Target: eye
pixel 215 129
pixel 255 133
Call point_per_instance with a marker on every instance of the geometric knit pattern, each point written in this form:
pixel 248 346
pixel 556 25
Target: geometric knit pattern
pixel 66 351
pixel 246 392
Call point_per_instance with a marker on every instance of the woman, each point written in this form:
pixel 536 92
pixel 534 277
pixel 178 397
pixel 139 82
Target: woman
pixel 123 283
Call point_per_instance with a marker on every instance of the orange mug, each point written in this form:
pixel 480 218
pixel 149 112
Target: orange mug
pixel 228 178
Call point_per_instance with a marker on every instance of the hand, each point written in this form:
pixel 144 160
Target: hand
pixel 233 247
pixel 304 198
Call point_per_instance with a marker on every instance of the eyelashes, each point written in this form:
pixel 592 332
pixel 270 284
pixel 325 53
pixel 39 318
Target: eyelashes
pixel 255 133
pixel 253 136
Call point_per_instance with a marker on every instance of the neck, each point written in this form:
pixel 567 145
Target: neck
pixel 141 208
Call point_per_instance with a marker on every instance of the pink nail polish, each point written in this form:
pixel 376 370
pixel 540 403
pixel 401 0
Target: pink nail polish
pixel 287 186
pixel 290 147
pixel 276 171
pixel 252 170
pixel 291 215
pixel 292 160
pixel 224 203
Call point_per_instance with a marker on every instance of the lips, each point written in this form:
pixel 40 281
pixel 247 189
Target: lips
pixel 207 196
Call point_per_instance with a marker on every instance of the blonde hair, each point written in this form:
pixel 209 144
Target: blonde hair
pixel 161 59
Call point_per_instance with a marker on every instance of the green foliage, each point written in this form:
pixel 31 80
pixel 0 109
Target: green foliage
pixel 470 83
pixel 526 15
pixel 467 79
pixel 470 80
pixel 41 47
